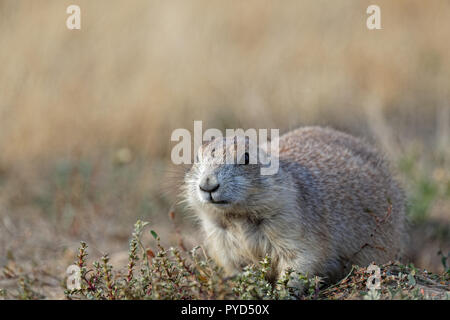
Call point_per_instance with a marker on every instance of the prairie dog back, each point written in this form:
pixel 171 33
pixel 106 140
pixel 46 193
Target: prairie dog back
pixel 333 203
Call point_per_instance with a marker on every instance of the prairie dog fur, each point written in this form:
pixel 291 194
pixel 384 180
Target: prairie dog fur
pixel 332 204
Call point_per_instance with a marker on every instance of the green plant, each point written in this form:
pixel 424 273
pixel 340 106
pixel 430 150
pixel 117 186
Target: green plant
pixel 175 273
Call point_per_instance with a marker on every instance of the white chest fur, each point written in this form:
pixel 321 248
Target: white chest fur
pixel 235 245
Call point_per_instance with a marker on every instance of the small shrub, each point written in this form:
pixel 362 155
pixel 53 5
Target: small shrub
pixel 175 273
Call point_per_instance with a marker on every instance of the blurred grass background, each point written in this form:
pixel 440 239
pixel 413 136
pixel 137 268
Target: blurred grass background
pixel 86 115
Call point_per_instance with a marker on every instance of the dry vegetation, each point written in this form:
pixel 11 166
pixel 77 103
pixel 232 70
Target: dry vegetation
pixel 86 116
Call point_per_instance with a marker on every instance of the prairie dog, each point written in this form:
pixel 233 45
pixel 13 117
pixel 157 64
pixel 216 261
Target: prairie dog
pixel 333 203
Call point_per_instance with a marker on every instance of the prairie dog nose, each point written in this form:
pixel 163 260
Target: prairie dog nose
pixel 209 183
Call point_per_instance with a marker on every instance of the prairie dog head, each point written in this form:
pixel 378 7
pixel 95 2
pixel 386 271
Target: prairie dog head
pixel 226 176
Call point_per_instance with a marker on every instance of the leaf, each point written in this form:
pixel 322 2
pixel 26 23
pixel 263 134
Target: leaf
pixel 154 234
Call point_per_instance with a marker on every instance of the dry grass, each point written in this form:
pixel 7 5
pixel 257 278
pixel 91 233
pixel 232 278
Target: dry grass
pixel 71 100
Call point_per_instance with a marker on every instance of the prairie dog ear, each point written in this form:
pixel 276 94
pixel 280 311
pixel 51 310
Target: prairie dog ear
pixel 199 154
pixel 201 149
pixel 264 151
pixel 207 142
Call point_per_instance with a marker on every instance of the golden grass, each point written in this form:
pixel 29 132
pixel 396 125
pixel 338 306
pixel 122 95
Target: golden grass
pixel 136 71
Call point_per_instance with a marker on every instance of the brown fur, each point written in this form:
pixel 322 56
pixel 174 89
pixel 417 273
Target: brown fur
pixel 332 204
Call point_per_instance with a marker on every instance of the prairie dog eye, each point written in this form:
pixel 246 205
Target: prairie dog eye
pixel 246 158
